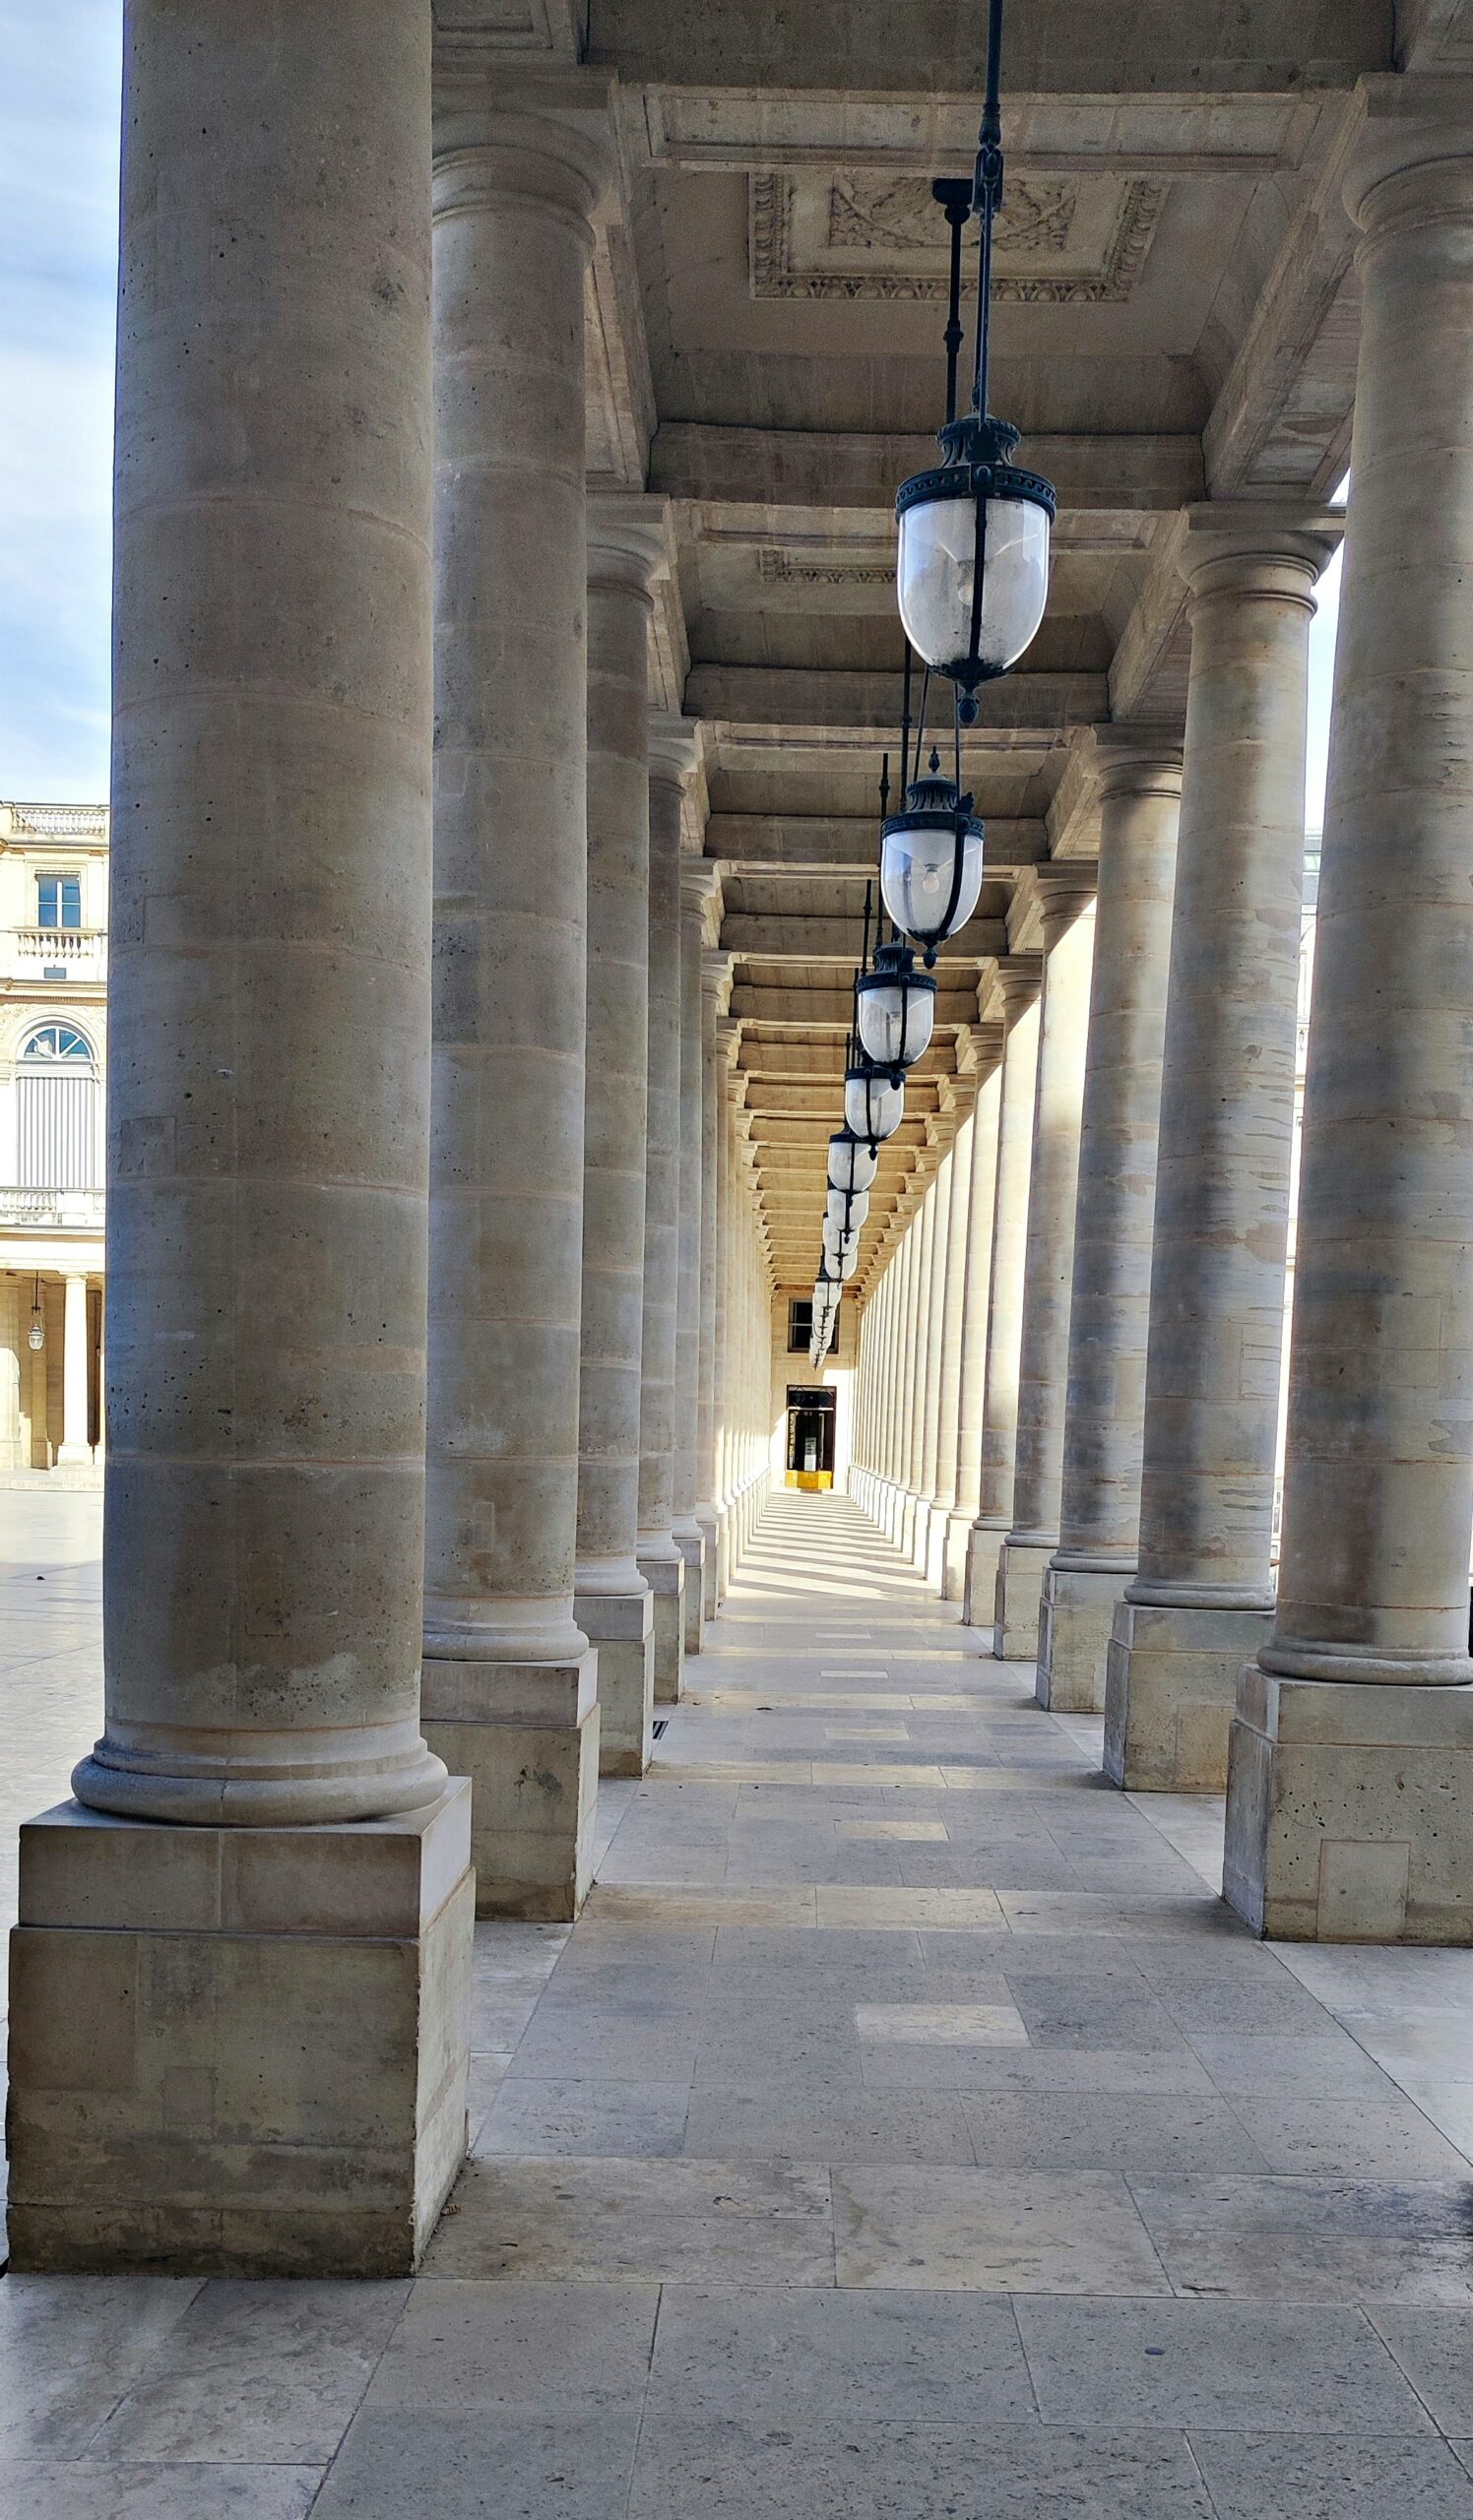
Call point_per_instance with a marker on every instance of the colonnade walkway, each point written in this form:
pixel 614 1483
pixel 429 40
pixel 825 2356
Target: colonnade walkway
pixel 905 2129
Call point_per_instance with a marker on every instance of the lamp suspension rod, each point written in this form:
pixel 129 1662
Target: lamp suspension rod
pixel 987 195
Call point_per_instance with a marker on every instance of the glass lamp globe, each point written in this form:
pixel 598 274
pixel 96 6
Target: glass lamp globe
pixel 845 1214
pixel 873 1102
pixel 973 571
pixel 896 1008
pixel 930 862
pixel 851 1166
pixel 35 1336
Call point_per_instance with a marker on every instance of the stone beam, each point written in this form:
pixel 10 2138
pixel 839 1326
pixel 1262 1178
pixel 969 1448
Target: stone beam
pixel 843 844
pixel 773 469
pixel 798 702
pixel 836 940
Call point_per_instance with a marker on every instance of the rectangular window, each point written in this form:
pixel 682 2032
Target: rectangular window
pixel 58 900
pixel 799 1324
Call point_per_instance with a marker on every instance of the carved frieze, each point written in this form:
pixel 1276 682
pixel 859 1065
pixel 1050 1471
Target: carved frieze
pixel 854 232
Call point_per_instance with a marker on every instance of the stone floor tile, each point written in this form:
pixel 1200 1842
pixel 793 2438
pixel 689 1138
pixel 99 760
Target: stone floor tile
pixel 1288 2476
pixel 834 2357
pixel 1104 2130
pixel 545 2350
pixel 255 2372
pixel 554 2120
pixel 968 2231
pixel 1435 2349
pixel 1350 2138
pixel 1326 2066
pixel 730 2471
pixel 954 2025
pixel 101 2490
pixel 400 2465
pixel 1310 2239
pixel 1237 2366
pixel 69 2345
pixel 863 2127
pixel 1070 2069
pixel 646 2222
pixel 910 1909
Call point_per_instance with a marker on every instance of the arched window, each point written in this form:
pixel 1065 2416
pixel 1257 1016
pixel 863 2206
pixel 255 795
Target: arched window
pixel 56 1084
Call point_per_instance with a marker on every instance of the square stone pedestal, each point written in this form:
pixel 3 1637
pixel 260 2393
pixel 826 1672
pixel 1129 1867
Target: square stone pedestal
pixel 980 1600
pixel 620 1626
pixel 1076 1618
pixel 1170 1685
pixel 666 1578
pixel 692 1548
pixel 1350 1812
pixel 526 1735
pixel 238 2052
pixel 1021 1567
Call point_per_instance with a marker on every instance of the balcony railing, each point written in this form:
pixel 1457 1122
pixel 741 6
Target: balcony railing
pixel 73 1209
pixel 61 944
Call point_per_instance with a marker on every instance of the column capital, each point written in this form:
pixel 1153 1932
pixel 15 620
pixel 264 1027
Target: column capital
pixel 1417 125
pixel 491 153
pixel 1138 761
pixel 700 897
pixel 1257 547
pixel 1010 989
pixel 1048 900
pixel 675 748
pixel 628 543
pixel 729 1042
pixel 979 1047
pixel 715 978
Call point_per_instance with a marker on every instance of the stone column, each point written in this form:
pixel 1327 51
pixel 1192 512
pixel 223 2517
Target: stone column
pixel 1067 915
pixel 1350 1788
pixel 74 1447
pixel 239 2032
pixel 674 748
pixel 1018 990
pixel 11 1351
pixel 905 1384
pixel 953 1297
pixel 612 1600
pixel 696 880
pixel 972 1343
pixel 916 1370
pixel 509 1675
pixel 1140 793
pixel 716 979
pixel 1205 1587
pixel 935 1340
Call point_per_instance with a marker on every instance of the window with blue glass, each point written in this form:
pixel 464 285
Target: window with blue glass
pixel 58 900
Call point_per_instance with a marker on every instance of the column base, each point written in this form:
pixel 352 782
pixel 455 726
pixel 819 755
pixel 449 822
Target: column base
pixel 666 1578
pixel 921 1533
pixel 935 1569
pixel 238 2052
pixel 954 1558
pixel 526 1735
pixel 74 1455
pixel 1350 1812
pixel 1171 1683
pixel 692 1548
pixel 620 1626
pixel 1021 1567
pixel 980 1600
pixel 1076 1618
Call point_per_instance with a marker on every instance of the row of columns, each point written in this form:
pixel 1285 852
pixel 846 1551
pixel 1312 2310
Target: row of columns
pixel 437 1309
pixel 1125 1332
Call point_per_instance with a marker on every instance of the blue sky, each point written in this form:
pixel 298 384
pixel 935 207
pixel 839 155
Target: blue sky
pixel 59 73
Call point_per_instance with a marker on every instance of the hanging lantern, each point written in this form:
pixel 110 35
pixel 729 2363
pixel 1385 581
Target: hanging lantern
pixel 896 1009
pixel 972 570
pixel 873 1102
pixel 35 1336
pixel 930 862
pixel 973 574
pixel 851 1166
pixel 848 1209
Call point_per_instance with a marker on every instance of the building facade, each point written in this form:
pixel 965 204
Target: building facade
pixel 53 1059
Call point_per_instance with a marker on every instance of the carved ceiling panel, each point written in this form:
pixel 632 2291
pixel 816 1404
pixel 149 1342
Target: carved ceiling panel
pixel 855 232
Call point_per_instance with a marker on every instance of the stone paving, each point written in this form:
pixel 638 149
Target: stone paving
pixel 905 2129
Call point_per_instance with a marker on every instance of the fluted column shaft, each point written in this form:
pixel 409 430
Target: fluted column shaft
pixel 1351 1786
pixel 672 759
pixel 972 1343
pixel 611 1598
pixel 268 1079
pixel 509 1675
pixel 1139 801
pixel 1222 1178
pixel 1019 985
